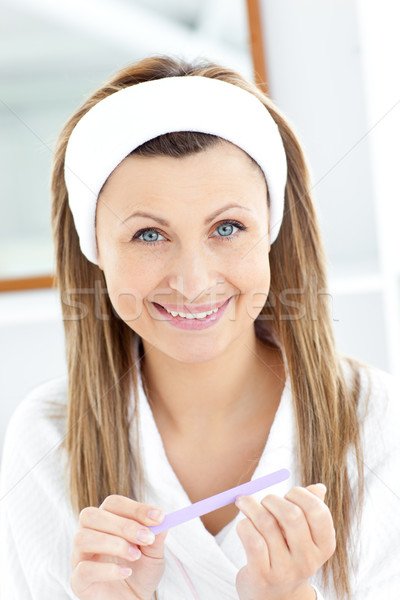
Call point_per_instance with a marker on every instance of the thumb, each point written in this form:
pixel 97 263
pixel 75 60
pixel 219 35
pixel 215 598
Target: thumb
pixel 318 489
pixel 156 549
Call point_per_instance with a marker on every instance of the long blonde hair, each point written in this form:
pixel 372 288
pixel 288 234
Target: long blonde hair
pixel 101 365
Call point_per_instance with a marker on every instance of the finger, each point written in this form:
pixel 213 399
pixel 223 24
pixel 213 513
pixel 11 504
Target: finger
pixel 125 507
pixel 318 489
pixel 156 549
pixel 133 532
pixel 102 520
pixel 254 545
pixel 88 542
pixel 266 524
pixel 87 573
pixel 293 522
pixel 318 516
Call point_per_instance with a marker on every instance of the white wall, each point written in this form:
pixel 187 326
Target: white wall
pixel 332 70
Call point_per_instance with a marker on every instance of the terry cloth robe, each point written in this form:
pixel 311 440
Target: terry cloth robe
pixel 37 525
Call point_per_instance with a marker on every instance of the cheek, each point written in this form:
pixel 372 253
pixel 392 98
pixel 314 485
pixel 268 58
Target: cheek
pixel 255 282
pixel 127 303
pixel 127 287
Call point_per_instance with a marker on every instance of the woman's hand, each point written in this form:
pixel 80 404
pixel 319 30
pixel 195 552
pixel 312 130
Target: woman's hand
pixel 286 541
pixel 101 547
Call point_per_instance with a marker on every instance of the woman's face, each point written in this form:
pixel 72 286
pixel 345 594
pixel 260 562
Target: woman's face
pixel 195 258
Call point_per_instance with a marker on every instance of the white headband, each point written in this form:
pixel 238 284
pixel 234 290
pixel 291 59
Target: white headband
pixel 121 122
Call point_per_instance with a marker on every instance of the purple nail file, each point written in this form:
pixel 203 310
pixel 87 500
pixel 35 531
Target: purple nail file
pixel 218 500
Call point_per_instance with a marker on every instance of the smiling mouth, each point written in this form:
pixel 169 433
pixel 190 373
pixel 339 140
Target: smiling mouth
pixel 190 315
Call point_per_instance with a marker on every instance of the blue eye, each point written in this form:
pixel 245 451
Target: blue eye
pixel 154 231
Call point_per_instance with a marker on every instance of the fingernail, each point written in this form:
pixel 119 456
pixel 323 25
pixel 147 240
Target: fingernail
pixel 238 499
pixel 322 486
pixel 155 514
pixel 145 536
pixel 125 571
pixel 133 552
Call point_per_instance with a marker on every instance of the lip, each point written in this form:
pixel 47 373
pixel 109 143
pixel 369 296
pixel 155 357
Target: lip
pixel 194 324
pixel 195 308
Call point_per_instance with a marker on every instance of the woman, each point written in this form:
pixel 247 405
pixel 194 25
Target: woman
pixel 181 188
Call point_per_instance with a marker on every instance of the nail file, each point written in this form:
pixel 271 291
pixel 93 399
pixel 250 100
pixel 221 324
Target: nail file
pixel 218 500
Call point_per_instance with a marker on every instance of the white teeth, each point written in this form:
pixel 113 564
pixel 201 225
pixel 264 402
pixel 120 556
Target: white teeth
pixel 193 316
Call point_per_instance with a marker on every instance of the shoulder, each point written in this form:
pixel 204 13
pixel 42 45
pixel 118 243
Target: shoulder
pixel 33 458
pixel 36 426
pixel 379 417
pixel 45 402
pixel 380 406
pixel 35 512
pixel 46 393
pixel 376 536
pixel 379 395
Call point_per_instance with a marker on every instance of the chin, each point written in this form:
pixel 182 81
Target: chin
pixel 192 352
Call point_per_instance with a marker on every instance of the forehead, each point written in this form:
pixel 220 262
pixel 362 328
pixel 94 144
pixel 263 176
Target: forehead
pixel 220 164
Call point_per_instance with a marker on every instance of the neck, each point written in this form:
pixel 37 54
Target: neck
pixel 223 394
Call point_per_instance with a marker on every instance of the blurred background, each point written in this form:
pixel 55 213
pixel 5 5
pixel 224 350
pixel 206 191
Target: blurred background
pixel 331 67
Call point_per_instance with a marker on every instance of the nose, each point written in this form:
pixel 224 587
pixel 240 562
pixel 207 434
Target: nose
pixel 192 275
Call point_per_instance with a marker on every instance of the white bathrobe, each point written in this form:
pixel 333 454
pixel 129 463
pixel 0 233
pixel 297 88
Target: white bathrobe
pixel 37 525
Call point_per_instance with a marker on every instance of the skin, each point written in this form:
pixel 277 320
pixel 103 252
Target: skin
pixel 193 263
pixel 286 541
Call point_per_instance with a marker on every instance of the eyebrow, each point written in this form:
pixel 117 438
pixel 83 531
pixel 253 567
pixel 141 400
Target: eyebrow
pixel 166 224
